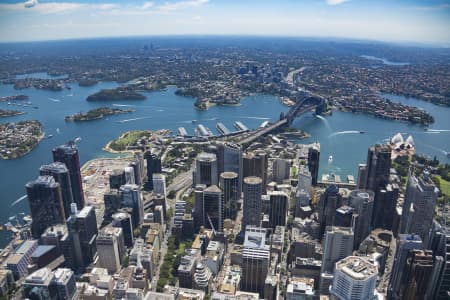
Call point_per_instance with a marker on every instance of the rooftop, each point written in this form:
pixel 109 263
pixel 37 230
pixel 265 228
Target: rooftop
pixel 357 267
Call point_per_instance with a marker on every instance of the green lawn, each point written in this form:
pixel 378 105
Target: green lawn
pixel 445 186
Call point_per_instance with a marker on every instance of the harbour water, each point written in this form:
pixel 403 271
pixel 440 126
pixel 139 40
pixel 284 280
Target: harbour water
pixel 163 109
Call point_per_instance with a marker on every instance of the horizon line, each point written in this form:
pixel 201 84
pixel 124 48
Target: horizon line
pixel 199 35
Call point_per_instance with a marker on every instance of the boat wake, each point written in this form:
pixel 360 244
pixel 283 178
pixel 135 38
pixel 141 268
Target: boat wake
pixel 345 132
pixel 258 118
pixel 437 130
pixel 134 119
pixel 19 200
pixel 54 100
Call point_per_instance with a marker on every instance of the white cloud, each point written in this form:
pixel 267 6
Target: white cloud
pixel 147 5
pixel 166 7
pixel 336 2
pixel 54 7
pixel 30 3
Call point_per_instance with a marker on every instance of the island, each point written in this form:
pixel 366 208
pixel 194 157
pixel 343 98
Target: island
pixel 87 82
pixel 10 113
pixel 120 93
pixel 17 139
pixel 96 114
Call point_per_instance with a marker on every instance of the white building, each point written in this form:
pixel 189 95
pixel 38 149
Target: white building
pixel 109 244
pixel 129 175
pixel 354 278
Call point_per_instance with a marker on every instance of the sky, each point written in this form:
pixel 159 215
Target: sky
pixel 418 21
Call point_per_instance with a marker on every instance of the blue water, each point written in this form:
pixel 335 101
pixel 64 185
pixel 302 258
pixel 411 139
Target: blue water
pixel 161 109
pixel 164 109
pixel 385 61
pixel 339 135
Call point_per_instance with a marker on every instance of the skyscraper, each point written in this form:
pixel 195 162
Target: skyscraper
pixel 110 247
pixel 420 203
pixel 68 154
pixel 46 204
pixel 61 174
pixel 405 243
pixel 279 203
pixel 159 184
pixel 281 170
pixel 255 260
pixel 362 203
pixel 206 169
pixel 313 161
pixel 229 183
pixel 122 219
pixel 153 166
pixel 129 175
pixel 131 197
pixel 82 227
pixel 378 167
pixel 256 164
pixel 354 278
pixel 377 172
pixel 337 245
pixel 213 208
pixel 252 189
pixel 229 159
pixel 419 266
pixel 329 202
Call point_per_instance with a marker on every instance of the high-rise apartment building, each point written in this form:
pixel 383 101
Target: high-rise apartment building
pixel 122 219
pixel 68 154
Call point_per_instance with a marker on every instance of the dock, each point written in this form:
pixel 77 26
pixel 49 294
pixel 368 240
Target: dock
pixel 182 131
pixel 222 129
pixel 240 126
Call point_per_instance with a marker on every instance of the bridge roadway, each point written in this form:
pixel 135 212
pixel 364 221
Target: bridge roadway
pixel 253 136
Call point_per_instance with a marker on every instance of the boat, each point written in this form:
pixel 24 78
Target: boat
pixel 330 158
pixel 50 136
pixel 194 121
pixel 362 132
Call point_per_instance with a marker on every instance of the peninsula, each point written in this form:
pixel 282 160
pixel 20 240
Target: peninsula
pixel 17 139
pixel 96 114
pixel 120 93
pixel 10 113
pixel 15 97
